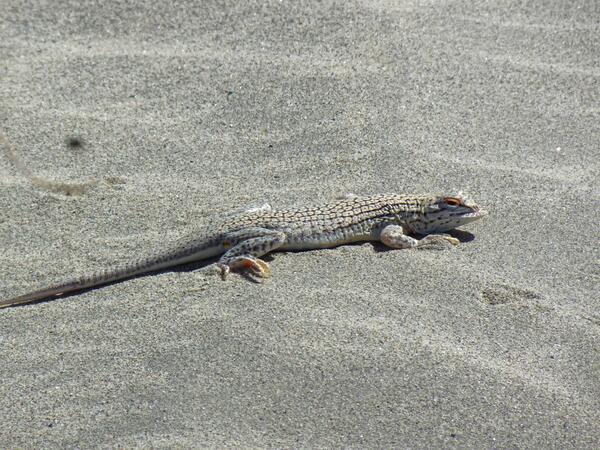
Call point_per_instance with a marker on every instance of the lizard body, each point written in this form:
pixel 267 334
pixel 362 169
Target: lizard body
pixel 243 239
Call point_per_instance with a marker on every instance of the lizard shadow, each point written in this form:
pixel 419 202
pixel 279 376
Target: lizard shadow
pixel 462 236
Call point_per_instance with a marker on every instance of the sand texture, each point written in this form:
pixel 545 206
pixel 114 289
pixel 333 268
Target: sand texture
pixel 126 125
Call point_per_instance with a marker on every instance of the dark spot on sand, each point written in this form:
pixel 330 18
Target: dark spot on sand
pixel 116 182
pixel 501 294
pixel 74 142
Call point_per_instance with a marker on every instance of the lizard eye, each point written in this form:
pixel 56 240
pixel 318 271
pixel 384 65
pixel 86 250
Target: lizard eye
pixel 452 201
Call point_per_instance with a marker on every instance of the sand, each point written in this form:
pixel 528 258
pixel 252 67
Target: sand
pixel 127 126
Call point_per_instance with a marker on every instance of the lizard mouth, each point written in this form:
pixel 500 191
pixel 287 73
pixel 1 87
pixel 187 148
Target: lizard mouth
pixel 475 214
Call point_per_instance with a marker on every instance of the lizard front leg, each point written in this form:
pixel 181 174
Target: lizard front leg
pixel 393 236
pixel 245 247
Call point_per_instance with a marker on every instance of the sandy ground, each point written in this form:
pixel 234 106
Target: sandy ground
pixel 127 126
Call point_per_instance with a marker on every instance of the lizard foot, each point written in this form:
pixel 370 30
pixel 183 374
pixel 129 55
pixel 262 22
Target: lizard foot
pixel 435 238
pixel 257 266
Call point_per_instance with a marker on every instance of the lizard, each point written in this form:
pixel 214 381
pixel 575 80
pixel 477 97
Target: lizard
pixel 241 240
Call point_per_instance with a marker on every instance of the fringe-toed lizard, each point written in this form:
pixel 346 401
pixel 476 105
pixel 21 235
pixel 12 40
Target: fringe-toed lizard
pixel 243 239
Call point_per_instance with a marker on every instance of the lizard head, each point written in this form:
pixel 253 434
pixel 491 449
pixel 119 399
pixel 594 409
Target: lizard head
pixel 444 213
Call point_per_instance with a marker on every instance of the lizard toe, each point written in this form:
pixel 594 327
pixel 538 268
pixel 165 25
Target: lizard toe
pixel 264 271
pixel 452 240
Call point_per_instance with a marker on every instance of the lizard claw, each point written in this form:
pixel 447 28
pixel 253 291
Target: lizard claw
pixel 224 271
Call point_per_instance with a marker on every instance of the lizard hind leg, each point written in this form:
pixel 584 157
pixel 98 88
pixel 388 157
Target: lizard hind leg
pixel 246 253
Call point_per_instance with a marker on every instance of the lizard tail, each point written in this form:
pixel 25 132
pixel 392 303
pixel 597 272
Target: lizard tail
pixel 184 252
pixel 73 285
pixel 31 297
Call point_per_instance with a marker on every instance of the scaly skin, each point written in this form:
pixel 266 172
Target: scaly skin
pixel 243 239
